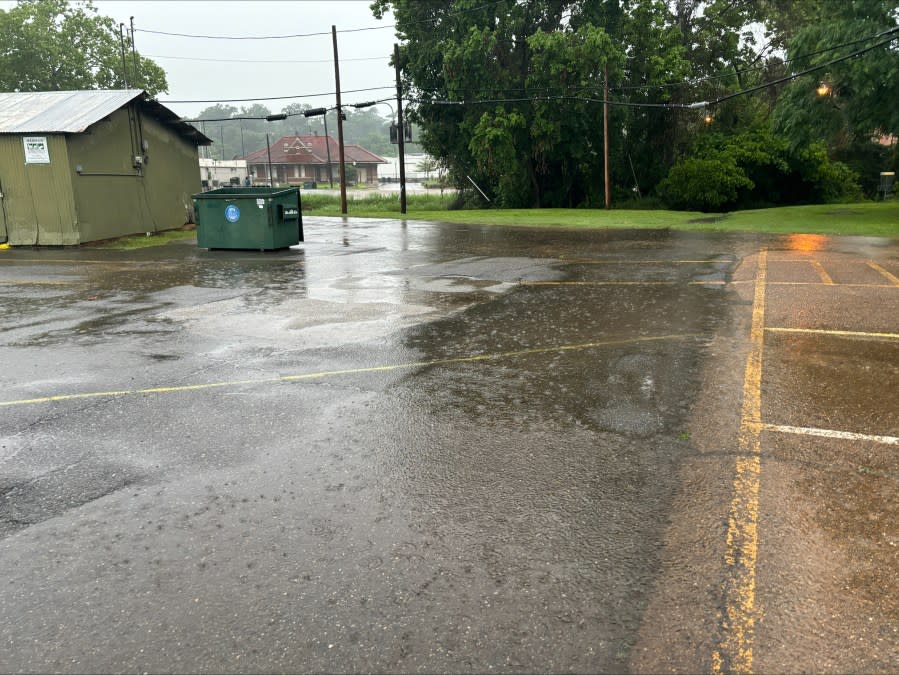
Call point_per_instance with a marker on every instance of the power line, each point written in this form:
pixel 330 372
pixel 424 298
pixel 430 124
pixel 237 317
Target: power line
pixel 670 106
pixel 536 99
pixel 807 71
pixel 753 68
pixel 585 99
pixel 198 58
pixel 277 98
pixel 305 35
pixel 684 83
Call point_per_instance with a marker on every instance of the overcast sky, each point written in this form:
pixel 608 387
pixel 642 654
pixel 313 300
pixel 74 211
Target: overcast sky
pixel 310 66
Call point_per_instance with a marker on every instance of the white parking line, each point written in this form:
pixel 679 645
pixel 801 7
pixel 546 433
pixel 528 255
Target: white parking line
pixel 830 433
pixel 837 333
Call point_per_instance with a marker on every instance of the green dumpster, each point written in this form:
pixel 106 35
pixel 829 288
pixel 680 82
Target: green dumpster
pixel 260 218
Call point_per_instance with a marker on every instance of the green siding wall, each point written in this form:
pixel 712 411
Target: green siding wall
pixel 52 204
pixel 112 206
pixel 173 175
pixel 37 207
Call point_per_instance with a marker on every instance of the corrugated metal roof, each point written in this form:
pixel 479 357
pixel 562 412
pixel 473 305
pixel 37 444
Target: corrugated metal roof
pixel 59 111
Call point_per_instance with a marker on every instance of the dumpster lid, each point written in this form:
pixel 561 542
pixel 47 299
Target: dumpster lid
pixel 232 191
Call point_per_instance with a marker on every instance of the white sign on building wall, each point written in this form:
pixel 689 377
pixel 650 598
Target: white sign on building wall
pixel 36 150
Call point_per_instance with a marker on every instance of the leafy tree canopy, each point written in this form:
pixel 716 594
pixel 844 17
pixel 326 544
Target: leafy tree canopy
pixel 510 92
pixel 862 95
pixel 52 45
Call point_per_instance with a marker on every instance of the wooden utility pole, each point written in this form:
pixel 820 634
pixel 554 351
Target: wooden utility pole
pixel 401 131
pixel 136 74
pixel 605 134
pixel 124 64
pixel 340 153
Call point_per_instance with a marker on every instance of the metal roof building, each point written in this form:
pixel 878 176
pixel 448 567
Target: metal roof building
pixel 78 166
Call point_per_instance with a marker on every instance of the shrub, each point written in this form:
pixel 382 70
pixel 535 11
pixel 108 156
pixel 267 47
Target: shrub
pixel 755 169
pixel 703 184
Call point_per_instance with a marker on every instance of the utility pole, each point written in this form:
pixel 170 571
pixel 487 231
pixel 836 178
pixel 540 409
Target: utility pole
pixel 323 112
pixel 124 64
pixel 268 148
pixel 339 125
pixel 328 151
pixel 605 133
pixel 401 130
pixel 136 72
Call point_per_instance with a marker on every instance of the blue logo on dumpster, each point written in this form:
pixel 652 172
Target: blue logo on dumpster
pixel 232 213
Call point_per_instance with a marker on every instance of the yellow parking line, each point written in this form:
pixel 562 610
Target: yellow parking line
pixel 738 624
pixel 622 283
pixel 877 268
pixel 73 261
pixel 837 333
pixel 814 283
pixel 819 268
pixel 647 262
pixel 35 282
pixel 349 371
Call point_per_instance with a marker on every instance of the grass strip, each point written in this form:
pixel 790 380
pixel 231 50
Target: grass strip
pixel 877 219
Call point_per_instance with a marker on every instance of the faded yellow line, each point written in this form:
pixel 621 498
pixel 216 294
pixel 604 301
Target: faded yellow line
pixel 71 261
pixel 622 283
pixel 349 371
pixel 814 283
pixel 738 624
pixel 837 333
pixel 35 282
pixel 892 278
pixel 647 262
pixel 819 268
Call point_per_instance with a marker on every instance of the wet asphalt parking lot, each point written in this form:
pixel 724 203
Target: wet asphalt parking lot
pixel 418 447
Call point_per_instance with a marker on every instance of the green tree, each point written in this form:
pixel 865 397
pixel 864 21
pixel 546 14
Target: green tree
pixel 550 55
pixel 539 150
pixel 51 45
pixel 861 101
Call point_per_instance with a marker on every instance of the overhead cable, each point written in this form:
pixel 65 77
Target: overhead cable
pixel 808 71
pixel 670 106
pixel 305 35
pixel 217 60
pixel 243 118
pixel 276 98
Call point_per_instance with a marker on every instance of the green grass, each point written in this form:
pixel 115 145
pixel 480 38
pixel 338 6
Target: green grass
pixel 135 241
pixel 872 219
pixel 374 205
pixel 879 219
